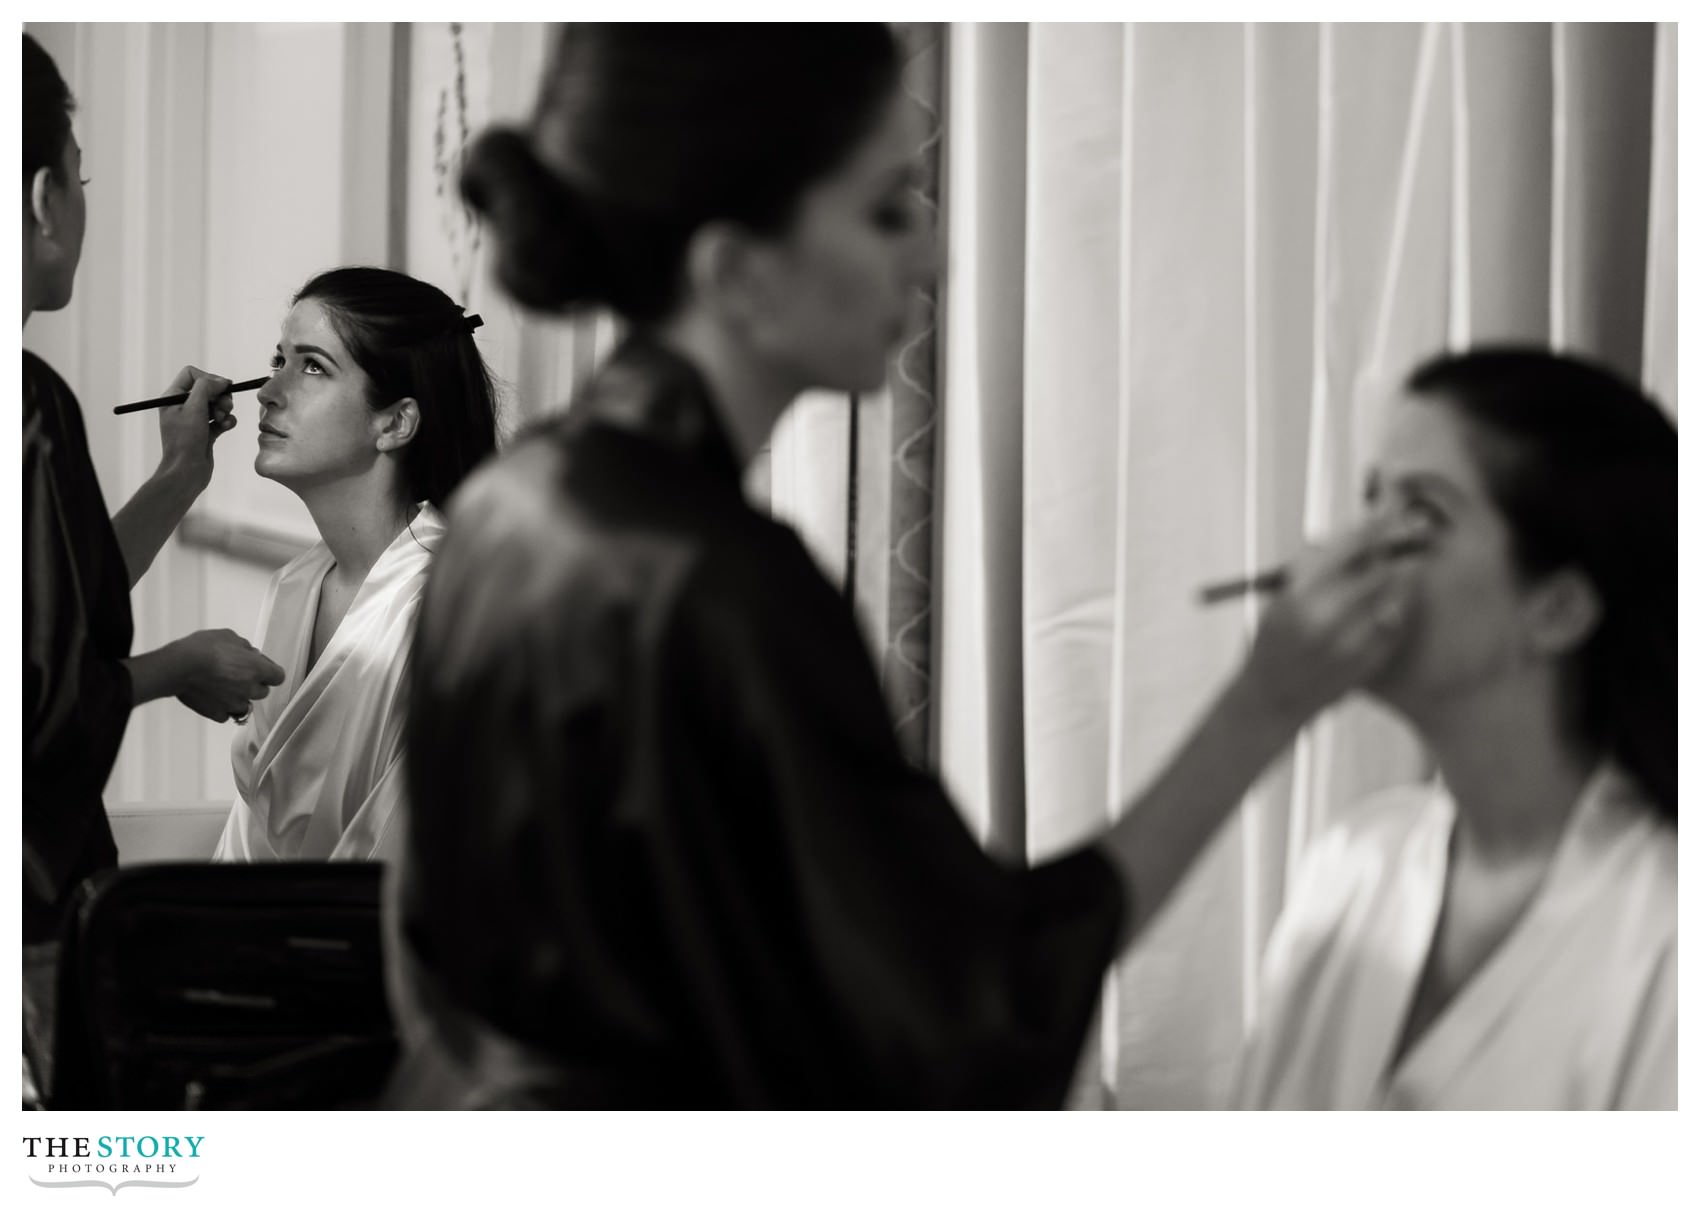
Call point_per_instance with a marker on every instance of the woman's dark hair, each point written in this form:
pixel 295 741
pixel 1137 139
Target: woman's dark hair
pixel 1585 473
pixel 47 112
pixel 411 339
pixel 644 132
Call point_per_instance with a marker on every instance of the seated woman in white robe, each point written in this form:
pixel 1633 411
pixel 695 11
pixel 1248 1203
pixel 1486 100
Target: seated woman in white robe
pixel 378 405
pixel 1506 938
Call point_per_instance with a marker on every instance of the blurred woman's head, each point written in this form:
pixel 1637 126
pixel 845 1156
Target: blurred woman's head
pixel 54 206
pixel 758 174
pixel 1546 488
pixel 376 372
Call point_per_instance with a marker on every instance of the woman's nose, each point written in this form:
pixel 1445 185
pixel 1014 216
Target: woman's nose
pixel 267 395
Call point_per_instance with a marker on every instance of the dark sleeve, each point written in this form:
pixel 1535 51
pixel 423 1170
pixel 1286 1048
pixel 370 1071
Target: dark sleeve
pixel 76 699
pixel 846 940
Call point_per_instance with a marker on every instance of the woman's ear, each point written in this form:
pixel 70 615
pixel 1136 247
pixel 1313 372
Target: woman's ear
pixel 1564 612
pixel 42 202
pixel 397 424
pixel 725 267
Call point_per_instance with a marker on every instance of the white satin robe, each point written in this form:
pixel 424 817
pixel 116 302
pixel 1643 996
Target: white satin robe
pixel 319 763
pixel 1576 1009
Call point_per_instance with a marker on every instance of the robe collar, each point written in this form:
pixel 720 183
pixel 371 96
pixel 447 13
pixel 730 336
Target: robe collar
pixel 652 392
pixel 1612 816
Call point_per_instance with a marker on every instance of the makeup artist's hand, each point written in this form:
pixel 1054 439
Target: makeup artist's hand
pixel 1344 611
pixel 221 675
pixel 188 430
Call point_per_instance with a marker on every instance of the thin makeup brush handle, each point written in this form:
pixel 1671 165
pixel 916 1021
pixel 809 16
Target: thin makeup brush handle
pixel 168 401
pixel 1273 580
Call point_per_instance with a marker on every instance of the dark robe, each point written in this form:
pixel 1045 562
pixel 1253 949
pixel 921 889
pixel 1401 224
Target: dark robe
pixel 664 848
pixel 77 630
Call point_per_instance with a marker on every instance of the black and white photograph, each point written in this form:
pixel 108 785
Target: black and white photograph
pixel 796 565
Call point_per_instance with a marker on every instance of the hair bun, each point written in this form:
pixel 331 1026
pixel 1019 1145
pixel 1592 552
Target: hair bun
pixel 547 255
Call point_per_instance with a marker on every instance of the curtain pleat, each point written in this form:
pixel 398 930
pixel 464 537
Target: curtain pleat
pixel 981 492
pixel 1072 429
pixel 1605 114
pixel 1658 369
pixel 1181 517
pixel 1509 84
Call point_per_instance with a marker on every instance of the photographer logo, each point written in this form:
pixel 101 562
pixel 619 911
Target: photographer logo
pixel 113 1162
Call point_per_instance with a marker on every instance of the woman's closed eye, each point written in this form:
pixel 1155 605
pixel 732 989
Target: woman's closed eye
pixel 1423 510
pixel 1412 501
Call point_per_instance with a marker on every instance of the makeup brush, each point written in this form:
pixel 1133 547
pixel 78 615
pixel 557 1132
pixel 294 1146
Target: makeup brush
pixel 1274 580
pixel 168 401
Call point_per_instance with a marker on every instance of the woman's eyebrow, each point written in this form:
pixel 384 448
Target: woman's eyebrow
pixel 313 349
pixel 1432 483
pixel 1427 482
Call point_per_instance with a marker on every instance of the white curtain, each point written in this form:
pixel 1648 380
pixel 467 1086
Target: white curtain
pixel 1187 266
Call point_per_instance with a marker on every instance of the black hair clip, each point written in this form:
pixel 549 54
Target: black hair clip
pixel 473 323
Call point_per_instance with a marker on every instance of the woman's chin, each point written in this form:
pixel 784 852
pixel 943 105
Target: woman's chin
pixel 56 297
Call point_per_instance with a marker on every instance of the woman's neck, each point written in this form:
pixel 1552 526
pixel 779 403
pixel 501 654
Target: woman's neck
pixel 749 396
pixel 1515 765
pixel 358 519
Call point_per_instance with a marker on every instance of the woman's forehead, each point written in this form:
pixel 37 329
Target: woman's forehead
pixel 309 323
pixel 1427 437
